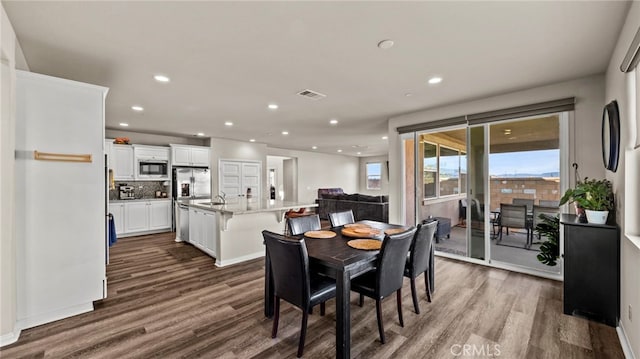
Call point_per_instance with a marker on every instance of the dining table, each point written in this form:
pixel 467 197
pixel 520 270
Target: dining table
pixel 334 258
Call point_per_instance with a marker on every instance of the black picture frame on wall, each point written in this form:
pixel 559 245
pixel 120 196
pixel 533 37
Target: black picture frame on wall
pixel 611 136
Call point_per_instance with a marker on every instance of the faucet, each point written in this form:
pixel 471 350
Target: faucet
pixel 222 197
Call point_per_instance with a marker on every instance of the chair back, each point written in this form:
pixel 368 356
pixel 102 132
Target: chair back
pixel 299 225
pixel 391 262
pixel 421 247
pixel 290 268
pixel 338 219
pixel 549 211
pixel 548 203
pixel 512 215
pixel 524 201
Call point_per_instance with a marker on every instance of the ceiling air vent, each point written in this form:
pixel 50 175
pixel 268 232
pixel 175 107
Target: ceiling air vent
pixel 312 94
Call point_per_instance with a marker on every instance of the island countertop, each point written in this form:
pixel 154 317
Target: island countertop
pixel 246 206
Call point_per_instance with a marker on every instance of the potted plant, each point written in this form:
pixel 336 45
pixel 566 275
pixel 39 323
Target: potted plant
pixel 595 196
pixel 550 229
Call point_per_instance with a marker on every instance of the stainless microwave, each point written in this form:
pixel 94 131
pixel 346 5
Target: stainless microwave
pixel 153 169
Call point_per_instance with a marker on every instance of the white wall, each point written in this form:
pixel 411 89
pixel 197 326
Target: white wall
pixel 319 170
pixel 384 184
pixel 617 88
pixel 584 128
pixel 9 51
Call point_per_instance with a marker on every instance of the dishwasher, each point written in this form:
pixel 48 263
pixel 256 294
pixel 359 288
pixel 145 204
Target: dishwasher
pixel 183 226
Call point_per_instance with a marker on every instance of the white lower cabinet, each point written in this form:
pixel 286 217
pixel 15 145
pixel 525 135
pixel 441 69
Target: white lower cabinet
pixel 141 216
pixel 202 230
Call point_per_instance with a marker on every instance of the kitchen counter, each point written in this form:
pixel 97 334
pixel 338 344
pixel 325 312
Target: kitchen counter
pixel 232 233
pixel 138 200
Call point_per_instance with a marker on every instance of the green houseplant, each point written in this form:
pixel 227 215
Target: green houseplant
pixel 550 249
pixel 593 196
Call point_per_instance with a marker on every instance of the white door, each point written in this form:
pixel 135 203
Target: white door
pixel 137 214
pixel 122 162
pixel 236 176
pixel 159 215
pixel 117 210
pixel 230 179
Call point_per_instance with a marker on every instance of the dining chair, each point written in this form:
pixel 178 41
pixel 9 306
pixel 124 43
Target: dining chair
pixel 418 261
pixel 293 282
pixel 387 277
pixel 548 203
pixel 524 201
pixel 299 225
pixel 338 219
pixel 551 211
pixel 514 216
pixel 292 213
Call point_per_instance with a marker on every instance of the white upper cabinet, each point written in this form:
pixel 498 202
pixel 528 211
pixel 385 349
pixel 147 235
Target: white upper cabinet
pixel 156 153
pixel 197 156
pixel 122 162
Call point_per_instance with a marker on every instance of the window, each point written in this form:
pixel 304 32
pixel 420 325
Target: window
pixel 374 175
pixel 444 171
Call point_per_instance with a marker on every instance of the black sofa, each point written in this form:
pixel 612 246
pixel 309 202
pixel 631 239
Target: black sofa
pixel 375 208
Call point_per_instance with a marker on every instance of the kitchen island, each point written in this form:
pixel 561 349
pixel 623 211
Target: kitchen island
pixel 232 232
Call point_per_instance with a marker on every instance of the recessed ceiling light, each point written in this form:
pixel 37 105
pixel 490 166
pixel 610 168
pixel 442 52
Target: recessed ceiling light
pixel 252 140
pixel 314 147
pixel 385 137
pixel 273 106
pixel 124 124
pixel 358 153
pixel 228 123
pixel 435 80
pixel 339 150
pixel 285 132
pixel 385 44
pixel 137 108
pixel 161 78
pixel 333 121
pixel 200 134
pixel 408 94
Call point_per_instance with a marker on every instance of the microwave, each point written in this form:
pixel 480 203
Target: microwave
pixel 153 169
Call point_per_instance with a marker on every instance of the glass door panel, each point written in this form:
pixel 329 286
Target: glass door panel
pixel 476 193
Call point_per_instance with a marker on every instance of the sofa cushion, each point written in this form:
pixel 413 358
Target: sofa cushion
pixel 331 191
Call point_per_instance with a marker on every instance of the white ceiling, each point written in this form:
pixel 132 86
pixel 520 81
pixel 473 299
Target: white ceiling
pixel 228 60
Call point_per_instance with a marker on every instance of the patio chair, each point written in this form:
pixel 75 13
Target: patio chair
pixel 514 216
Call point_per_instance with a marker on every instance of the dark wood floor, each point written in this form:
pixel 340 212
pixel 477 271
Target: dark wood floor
pixel 168 300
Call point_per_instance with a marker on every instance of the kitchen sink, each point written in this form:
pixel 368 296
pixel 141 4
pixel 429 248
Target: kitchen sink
pixel 213 203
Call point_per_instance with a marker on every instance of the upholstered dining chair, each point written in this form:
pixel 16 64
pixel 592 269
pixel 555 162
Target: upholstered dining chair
pixel 387 277
pixel 418 261
pixel 299 225
pixel 513 216
pixel 338 219
pixel 293 282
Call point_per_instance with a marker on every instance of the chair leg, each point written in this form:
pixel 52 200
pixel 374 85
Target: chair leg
pixel 414 295
pixel 303 333
pixel 399 303
pixel 500 236
pixel 379 315
pixel 322 308
pixel 361 301
pixel 311 310
pixel 427 285
pixel 276 318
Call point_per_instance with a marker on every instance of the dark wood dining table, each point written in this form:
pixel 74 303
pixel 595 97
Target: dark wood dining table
pixel 334 258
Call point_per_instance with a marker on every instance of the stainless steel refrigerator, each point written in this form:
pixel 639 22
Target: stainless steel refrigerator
pixel 191 183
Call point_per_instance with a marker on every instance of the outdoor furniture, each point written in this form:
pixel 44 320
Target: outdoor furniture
pixel 514 216
pixel 339 261
pixel 549 203
pixel 444 227
pixel 524 201
pixel 418 261
pixel 338 219
pixel 387 277
pixel 292 281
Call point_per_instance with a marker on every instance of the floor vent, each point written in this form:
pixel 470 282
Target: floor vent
pixel 312 94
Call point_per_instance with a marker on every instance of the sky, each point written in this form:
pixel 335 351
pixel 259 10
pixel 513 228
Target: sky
pixel 533 162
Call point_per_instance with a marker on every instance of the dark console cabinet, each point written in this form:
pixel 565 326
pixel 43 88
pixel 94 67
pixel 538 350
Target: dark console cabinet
pixel 591 270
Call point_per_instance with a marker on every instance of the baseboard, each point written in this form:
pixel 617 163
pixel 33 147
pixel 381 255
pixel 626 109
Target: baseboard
pixel 10 338
pixel 220 263
pixel 55 315
pixel 624 342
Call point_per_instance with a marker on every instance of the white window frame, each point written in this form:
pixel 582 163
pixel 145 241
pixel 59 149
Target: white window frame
pixel 379 188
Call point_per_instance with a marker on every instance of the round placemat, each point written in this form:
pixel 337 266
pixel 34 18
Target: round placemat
pixel 320 234
pixel 391 231
pixel 366 244
pixel 356 225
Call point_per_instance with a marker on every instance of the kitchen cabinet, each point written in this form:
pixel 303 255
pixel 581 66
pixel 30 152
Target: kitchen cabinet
pixel 122 162
pixel 141 216
pixel 192 156
pixel 202 230
pixel 591 270
pixel 156 153
pixel 117 210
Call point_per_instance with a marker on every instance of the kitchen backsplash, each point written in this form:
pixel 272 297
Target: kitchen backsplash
pixel 143 189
